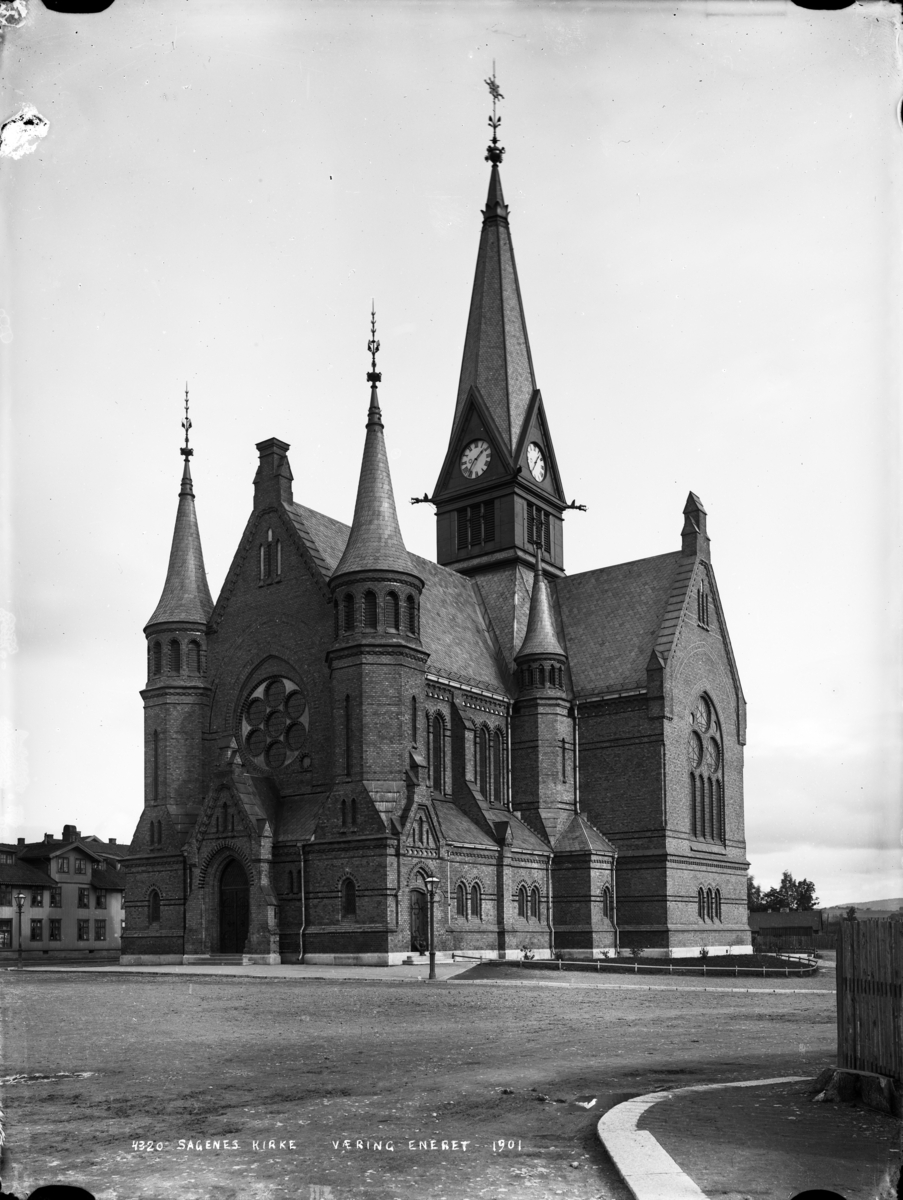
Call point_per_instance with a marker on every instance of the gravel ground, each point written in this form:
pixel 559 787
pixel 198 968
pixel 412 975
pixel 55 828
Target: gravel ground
pixel 158 1059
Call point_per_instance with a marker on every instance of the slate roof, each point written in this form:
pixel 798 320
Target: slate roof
pixel 298 818
pixel 186 595
pixel 25 874
pixel 113 881
pixel 611 619
pixel 375 541
pixel 540 637
pixel 581 835
pixel 497 356
pixel 457 827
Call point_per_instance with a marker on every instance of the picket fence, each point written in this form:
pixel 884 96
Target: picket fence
pixel 869 989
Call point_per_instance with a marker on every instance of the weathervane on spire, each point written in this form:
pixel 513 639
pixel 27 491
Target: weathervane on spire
pixel 494 151
pixel 373 376
pixel 186 425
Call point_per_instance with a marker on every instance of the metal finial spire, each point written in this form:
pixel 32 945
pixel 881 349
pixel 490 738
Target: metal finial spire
pixel 186 425
pixel 494 151
pixel 373 376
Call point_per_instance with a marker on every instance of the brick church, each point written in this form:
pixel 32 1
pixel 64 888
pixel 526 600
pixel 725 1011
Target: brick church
pixel 557 759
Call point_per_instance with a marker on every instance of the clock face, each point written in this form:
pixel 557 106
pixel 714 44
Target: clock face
pixel 536 462
pixel 476 458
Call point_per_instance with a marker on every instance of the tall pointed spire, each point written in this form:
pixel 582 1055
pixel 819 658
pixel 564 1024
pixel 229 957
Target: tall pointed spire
pixel 540 638
pixel 497 356
pixel 186 596
pixel 375 542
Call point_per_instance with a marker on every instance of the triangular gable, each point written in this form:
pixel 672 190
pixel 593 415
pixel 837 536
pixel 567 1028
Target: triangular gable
pixel 473 421
pixel 536 429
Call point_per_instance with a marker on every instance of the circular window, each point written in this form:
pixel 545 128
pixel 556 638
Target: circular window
pixel 712 755
pixel 694 749
pixel 274 723
pixel 702 714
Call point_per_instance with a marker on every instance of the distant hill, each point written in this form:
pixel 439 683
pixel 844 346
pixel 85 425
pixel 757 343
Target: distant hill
pixel 865 906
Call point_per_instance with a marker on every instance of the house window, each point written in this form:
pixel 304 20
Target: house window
pixel 534 903
pixel 278 558
pixel 483 761
pixel 83 931
pixel 348 613
pixel 606 903
pixel 717 904
pixel 153 908
pixel 461 900
pixel 62 866
pixel 6 933
pixel 194 658
pixel 100 898
pixel 476 903
pixel 158 658
pixel 526 677
pixel 702 607
pixel 393 612
pixel 700 904
pixel 353 811
pixel 37 931
pixel 6 895
pixel 414 720
pixel 344 811
pixel 266 557
pixel 420 824
pixel 56 897
pixel 7 857
pixel 540 676
pixel 437 755
pixel 539 528
pixel 369 610
pixel 37 897
pixel 498 774
pixel 411 606
pixel 349 898
pixel 522 902
pixel 100 931
pixel 55 933
pixel 81 866
pixel 84 895
pixel 476 525
pixel 706 781
pixel 175 657
pixel 709 905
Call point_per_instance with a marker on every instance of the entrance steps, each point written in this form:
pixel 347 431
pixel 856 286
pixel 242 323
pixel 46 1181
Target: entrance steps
pixel 214 960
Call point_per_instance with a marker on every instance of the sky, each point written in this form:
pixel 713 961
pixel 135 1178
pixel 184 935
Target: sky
pixel 704 207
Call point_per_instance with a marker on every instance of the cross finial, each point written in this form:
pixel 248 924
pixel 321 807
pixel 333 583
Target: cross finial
pixel 186 425
pixel 494 151
pixel 373 376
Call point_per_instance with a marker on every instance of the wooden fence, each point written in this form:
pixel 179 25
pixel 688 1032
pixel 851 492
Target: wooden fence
pixel 869 988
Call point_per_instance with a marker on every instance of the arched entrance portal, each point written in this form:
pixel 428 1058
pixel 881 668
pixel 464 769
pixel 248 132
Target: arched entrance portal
pixel 420 921
pixel 233 908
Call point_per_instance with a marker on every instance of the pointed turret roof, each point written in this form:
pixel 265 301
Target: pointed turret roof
pixel 540 638
pixel 496 349
pixel 186 596
pixel 375 542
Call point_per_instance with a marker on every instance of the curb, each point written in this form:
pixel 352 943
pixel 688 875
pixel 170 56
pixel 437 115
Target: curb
pixel 649 1172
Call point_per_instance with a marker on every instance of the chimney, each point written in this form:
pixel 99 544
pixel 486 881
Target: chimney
pixel 111 841
pixel 20 841
pixel 70 834
pixel 273 481
pixel 48 837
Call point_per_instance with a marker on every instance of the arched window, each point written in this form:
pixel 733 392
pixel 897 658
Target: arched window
pixel 335 609
pixel 353 811
pixel 437 756
pixel 348 613
pixel 498 773
pixel 263 563
pixel 540 676
pixel 522 902
pixel 700 903
pixel 152 833
pixel 420 825
pixel 158 658
pixel 369 610
pixel 153 907
pixel 476 903
pixel 349 898
pixel 347 735
pixel 411 606
pixel 717 904
pixel 343 807
pixel 155 778
pixel 393 612
pixel 414 720
pixel 710 807
pixel 194 658
pixel 461 900
pixel 278 557
pixel 706 752
pixel 709 905
pixel 526 677
pixel 483 761
pixel 159 833
pixel 534 903
pixel 175 657
pixel 694 815
pixel 564 761
pixel 606 902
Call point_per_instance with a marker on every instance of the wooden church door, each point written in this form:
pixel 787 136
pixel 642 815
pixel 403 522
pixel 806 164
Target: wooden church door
pixel 233 909
pixel 419 922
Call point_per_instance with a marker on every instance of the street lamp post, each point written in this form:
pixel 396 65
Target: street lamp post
pixel 431 884
pixel 20 904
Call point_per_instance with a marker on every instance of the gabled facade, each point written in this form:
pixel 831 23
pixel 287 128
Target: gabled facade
pixel 564 754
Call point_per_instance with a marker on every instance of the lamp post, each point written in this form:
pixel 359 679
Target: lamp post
pixel 20 904
pixel 431 884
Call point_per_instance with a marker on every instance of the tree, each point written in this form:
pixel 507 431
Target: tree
pixel 792 894
pixel 753 895
pixel 850 914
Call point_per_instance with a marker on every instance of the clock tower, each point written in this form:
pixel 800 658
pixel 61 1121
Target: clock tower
pixel 499 496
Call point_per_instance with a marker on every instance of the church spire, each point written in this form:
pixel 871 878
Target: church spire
pixel 375 542
pixel 186 596
pixel 540 640
pixel 496 350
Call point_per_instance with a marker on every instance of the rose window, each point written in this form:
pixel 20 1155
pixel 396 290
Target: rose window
pixel 274 724
pixel 704 751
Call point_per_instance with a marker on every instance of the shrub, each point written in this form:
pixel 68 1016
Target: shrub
pixel 703 952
